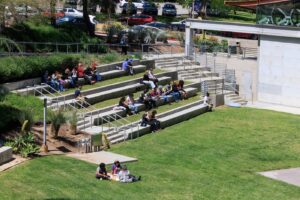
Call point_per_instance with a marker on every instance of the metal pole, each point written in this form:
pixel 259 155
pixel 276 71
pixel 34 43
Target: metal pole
pixel 45 147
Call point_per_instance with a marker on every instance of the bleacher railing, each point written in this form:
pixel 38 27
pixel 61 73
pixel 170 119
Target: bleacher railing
pixel 85 111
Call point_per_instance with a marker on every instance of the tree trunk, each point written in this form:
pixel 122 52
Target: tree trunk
pixel 52 12
pixel 54 130
pixel 87 18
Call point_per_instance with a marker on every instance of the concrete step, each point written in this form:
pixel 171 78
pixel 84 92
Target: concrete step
pixel 168 119
pixel 109 116
pixel 117 73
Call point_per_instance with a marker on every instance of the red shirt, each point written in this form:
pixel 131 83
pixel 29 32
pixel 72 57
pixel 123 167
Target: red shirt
pixel 80 72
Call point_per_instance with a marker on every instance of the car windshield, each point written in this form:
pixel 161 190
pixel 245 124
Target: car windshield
pixel 149 4
pixel 169 6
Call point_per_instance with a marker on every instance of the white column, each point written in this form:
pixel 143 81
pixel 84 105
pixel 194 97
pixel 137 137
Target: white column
pixel 188 41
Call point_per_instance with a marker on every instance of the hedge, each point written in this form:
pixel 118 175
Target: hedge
pixel 14 106
pixel 20 68
pixel 9 120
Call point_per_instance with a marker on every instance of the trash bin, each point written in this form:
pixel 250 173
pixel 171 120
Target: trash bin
pixel 232 49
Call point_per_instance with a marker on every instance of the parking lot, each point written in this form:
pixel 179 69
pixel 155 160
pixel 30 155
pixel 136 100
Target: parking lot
pixel 180 9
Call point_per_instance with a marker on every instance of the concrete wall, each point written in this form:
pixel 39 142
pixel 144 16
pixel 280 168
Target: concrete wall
pixel 279 71
pixel 5 154
pixel 245 71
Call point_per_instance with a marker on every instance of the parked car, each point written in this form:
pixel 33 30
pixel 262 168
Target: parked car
pixel 138 3
pixel 75 22
pixel 159 25
pixel 129 10
pixel 149 8
pixel 139 19
pixel 58 13
pixel 146 34
pixel 169 10
pixel 72 12
pixel 178 26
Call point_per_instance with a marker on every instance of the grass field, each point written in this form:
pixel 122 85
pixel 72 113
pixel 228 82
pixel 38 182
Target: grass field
pixel 213 156
pixel 240 16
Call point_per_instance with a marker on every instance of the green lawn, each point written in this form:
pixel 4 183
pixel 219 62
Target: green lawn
pixel 213 156
pixel 240 16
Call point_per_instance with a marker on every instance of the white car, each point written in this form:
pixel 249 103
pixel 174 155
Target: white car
pixel 72 12
pixel 138 3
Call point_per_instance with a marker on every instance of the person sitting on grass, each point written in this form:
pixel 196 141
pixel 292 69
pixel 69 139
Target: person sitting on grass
pixel 101 172
pixel 116 168
pixel 125 176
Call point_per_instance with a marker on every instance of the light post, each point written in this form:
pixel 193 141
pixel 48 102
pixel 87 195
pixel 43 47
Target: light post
pixel 44 146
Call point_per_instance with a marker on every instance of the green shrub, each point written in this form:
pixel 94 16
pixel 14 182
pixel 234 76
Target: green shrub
pixel 24 145
pixel 10 119
pixel 19 68
pixel 57 118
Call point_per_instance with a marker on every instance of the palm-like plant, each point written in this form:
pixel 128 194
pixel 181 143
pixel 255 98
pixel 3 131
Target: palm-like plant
pixel 57 118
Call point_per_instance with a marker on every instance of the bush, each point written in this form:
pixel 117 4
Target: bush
pixel 19 68
pixel 18 109
pixel 10 119
pixel 24 145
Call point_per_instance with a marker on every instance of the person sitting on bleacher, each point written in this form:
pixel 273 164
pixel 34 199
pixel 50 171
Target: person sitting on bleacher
pixel 153 122
pixel 78 96
pixel 162 93
pixel 131 104
pixel 123 105
pixel 182 92
pixel 146 100
pixel 88 76
pixel 207 101
pixel 152 77
pixel 74 76
pixel 80 70
pixel 127 66
pixel 150 119
pixel 146 80
pixel 175 92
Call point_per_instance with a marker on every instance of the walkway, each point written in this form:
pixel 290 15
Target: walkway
pixel 274 107
pixel 291 176
pixel 101 156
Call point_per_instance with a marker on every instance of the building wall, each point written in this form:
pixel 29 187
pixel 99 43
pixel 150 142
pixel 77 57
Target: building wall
pixel 279 71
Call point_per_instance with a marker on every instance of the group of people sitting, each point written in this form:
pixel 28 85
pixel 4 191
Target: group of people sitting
pixel 118 173
pixel 149 118
pixel 69 78
pixel 150 97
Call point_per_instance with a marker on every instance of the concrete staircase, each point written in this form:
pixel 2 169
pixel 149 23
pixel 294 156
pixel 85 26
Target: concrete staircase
pixel 232 97
pixel 166 119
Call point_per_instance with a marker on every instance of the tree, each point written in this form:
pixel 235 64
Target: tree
pixel 108 6
pixel 52 11
pixel 86 17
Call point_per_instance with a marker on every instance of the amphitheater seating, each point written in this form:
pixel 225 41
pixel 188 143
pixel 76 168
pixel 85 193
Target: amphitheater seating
pixel 111 114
